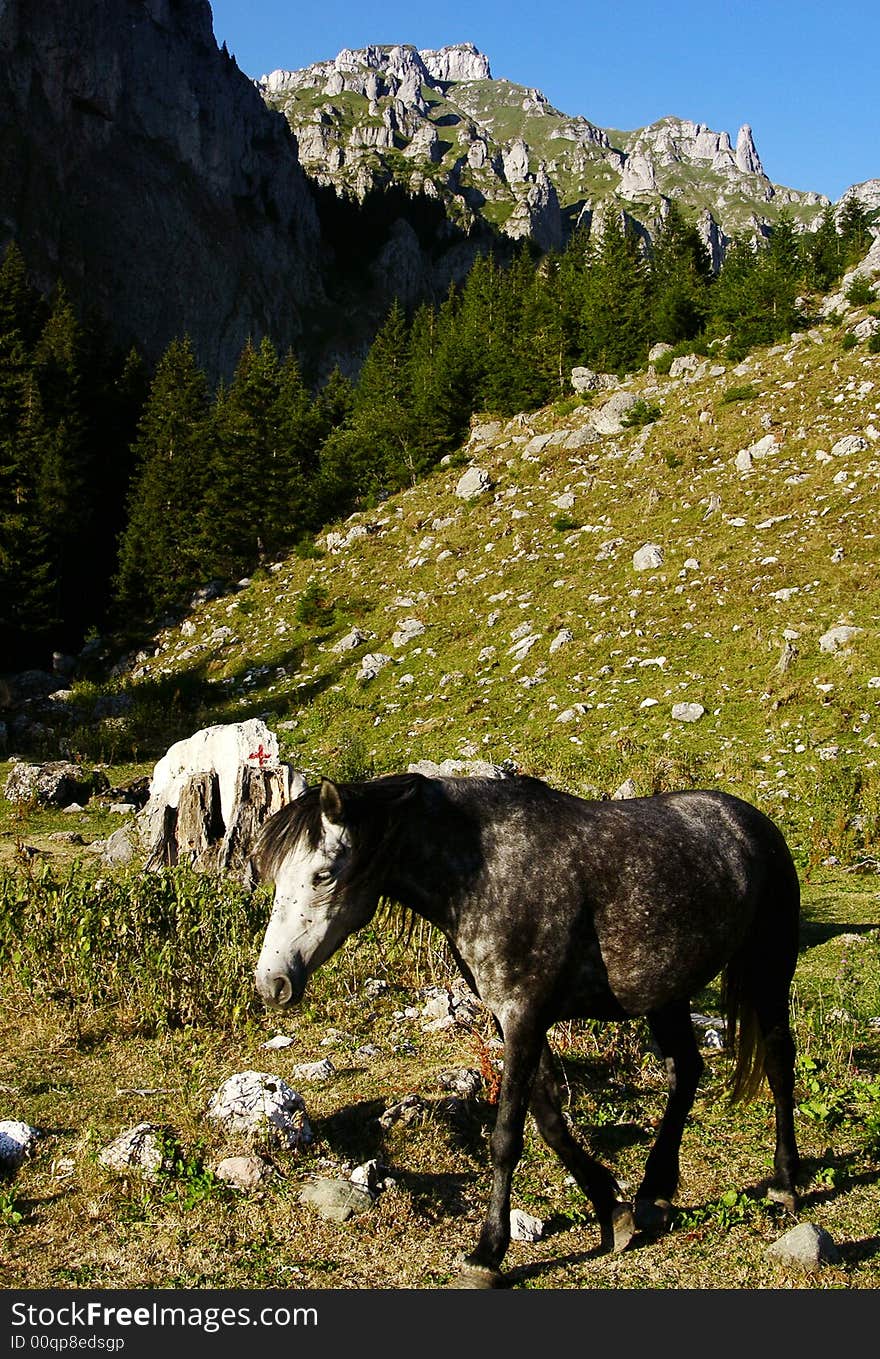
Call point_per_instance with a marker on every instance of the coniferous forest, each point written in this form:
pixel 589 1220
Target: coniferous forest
pixel 123 490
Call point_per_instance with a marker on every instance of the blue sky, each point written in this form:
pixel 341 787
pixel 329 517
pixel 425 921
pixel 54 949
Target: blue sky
pixel 805 75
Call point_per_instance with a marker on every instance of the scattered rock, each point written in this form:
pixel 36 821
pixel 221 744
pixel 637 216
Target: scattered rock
pixel 609 418
pixel 17 1142
pixel 445 1008
pixel 837 637
pixel 648 557
pixel 626 790
pixel 409 629
pixel 55 784
pixel 141 1149
pixel 411 1109
pixel 525 1227
pixel 119 848
pixel 477 769
pixel 337 1200
pixel 350 641
pixel 807 1247
pixel 243 1172
pixel 371 665
pixel 475 482
pixel 463 1081
pixel 687 712
pixel 314 1071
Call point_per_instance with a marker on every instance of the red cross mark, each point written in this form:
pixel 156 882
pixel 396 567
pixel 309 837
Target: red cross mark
pixel 260 755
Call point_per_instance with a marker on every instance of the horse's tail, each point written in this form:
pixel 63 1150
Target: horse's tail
pixel 743 1033
pixel 757 979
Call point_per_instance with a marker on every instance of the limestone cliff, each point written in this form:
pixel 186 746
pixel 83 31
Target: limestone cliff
pixel 141 166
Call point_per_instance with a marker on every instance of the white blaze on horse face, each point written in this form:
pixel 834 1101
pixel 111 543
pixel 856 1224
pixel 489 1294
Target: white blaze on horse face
pixel 304 928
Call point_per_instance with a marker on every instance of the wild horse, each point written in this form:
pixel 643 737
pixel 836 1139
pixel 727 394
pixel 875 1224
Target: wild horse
pixel 557 908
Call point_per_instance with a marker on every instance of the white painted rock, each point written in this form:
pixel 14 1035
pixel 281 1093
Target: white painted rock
pixel 257 1103
pixel 222 750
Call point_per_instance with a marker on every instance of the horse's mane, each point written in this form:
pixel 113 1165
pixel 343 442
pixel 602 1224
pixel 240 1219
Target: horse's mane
pixel 372 815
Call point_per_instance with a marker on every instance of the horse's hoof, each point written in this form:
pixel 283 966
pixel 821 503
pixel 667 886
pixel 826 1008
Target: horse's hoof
pixel 786 1197
pixel 619 1229
pixel 653 1215
pixel 478 1276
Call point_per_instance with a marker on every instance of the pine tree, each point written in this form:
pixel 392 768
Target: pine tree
pixel 382 448
pixel 613 321
pixel 680 274
pixel 240 505
pixel 160 555
pixel 28 585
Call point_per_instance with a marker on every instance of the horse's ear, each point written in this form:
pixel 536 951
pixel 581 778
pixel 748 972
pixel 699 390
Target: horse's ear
pixel 331 801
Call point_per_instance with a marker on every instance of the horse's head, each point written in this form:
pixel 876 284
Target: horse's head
pixel 308 850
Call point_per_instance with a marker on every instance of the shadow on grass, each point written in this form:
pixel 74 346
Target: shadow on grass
pixel 813 932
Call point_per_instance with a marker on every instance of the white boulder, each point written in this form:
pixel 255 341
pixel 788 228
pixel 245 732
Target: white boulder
pixel 257 1104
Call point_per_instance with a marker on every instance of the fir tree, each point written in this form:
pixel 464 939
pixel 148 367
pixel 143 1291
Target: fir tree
pixel 680 276
pixel 160 555
pixel 613 321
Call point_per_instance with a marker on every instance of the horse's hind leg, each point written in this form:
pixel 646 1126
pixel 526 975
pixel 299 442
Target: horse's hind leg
pixel 779 1057
pixel 592 1178
pixel 674 1035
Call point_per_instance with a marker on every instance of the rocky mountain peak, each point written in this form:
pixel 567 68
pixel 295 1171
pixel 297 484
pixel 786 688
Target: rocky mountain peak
pixel 460 61
pixel 747 157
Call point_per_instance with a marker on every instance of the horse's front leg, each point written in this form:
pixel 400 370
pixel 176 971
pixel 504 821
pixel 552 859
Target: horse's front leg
pixel 522 1050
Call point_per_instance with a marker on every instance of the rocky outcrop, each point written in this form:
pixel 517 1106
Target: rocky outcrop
pixel 143 169
pixel 461 61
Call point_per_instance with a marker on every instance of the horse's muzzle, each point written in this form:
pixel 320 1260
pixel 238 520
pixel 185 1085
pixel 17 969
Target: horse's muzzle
pixel 280 990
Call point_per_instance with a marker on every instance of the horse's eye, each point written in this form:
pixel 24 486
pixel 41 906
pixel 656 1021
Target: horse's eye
pixel 318 878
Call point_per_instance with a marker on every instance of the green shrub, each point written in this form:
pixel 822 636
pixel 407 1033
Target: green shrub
pixel 563 523
pixel 314 608
pixel 874 343
pixel 744 393
pixel 849 341
pixel 307 549
pixel 642 413
pixel 860 293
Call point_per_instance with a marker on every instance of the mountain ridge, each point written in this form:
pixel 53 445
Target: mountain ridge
pixel 439 122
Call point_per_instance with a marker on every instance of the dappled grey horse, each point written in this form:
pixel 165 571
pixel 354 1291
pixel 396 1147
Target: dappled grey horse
pixel 558 908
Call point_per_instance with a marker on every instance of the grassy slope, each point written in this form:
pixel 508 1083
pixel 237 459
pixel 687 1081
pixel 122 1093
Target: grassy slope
pixel 788 546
